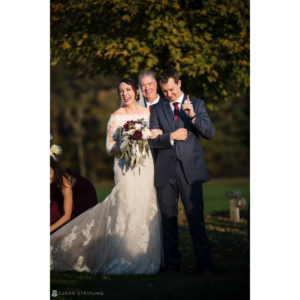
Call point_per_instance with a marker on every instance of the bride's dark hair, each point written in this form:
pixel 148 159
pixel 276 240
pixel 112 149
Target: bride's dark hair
pixel 134 86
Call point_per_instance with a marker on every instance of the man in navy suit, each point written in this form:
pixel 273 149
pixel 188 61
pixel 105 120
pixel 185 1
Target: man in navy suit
pixel 180 169
pixel 148 86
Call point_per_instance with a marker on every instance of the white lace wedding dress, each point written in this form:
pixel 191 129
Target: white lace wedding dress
pixel 121 235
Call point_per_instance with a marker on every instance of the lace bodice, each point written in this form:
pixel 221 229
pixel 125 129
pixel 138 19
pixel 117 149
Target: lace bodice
pixel 115 123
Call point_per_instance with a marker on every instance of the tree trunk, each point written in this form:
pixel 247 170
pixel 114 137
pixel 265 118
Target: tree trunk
pixel 76 124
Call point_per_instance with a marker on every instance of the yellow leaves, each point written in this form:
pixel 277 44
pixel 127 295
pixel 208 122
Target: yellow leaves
pixel 212 107
pixel 211 79
pixel 54 19
pixel 57 6
pixel 143 50
pixel 223 10
pixel 207 36
pixel 243 33
pixel 245 63
pixel 137 34
pixel 208 67
pixel 79 42
pixel 201 71
pixel 109 54
pixel 54 61
pixel 186 35
pixel 124 52
pixel 224 92
pixel 126 18
pixel 176 6
pixel 215 73
pixel 232 9
pixel 174 31
pixel 175 41
pixel 66 45
pixel 227 43
pixel 130 45
pixel 151 28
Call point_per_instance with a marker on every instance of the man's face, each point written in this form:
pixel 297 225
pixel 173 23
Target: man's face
pixel 149 87
pixel 171 90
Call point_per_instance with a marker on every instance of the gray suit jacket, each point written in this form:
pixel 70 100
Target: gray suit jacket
pixel 189 152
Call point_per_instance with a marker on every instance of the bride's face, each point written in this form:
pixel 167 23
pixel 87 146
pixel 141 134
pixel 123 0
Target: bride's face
pixel 126 93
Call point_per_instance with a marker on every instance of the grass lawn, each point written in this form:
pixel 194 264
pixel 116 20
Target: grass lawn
pixel 230 250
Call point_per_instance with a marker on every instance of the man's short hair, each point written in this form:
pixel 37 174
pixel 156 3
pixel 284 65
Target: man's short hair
pixel 165 75
pixel 144 74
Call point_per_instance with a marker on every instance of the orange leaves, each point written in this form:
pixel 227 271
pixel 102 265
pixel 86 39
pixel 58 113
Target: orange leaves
pixel 215 73
pixel 66 45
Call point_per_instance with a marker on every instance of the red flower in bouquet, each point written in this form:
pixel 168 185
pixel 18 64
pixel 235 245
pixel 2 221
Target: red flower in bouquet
pixel 137 135
pixel 129 125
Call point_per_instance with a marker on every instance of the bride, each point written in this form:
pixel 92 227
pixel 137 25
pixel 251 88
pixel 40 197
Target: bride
pixel 121 235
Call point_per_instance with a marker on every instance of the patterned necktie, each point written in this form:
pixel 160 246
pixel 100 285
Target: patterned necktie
pixel 176 110
pixel 150 107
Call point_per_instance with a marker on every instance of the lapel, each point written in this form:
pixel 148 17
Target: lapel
pixel 168 113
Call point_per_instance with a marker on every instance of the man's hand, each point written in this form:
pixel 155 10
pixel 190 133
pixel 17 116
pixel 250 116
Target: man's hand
pixel 155 133
pixel 188 107
pixel 179 135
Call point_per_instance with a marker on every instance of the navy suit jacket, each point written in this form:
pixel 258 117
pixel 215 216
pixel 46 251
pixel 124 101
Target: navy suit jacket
pixel 189 151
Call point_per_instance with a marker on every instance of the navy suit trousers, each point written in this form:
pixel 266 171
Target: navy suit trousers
pixel 192 199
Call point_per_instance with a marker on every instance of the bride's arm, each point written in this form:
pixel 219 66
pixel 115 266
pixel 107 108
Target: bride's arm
pixel 111 140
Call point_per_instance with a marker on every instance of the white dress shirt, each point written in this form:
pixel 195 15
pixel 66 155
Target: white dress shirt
pixel 154 102
pixel 179 101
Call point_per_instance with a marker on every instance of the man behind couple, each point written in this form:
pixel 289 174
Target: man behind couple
pixel 121 235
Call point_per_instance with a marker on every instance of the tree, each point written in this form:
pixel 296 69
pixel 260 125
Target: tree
pixel 208 42
pixel 80 108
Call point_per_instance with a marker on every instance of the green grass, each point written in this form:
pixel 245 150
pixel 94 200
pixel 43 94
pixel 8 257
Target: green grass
pixel 230 250
pixel 214 193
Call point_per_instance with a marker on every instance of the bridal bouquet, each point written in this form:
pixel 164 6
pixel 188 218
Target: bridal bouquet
pixel 134 145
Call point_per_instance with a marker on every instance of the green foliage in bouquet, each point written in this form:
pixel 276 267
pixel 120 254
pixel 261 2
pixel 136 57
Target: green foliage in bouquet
pixel 134 152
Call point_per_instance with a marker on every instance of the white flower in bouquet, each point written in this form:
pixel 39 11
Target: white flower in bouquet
pixel 138 126
pixel 146 133
pixel 130 132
